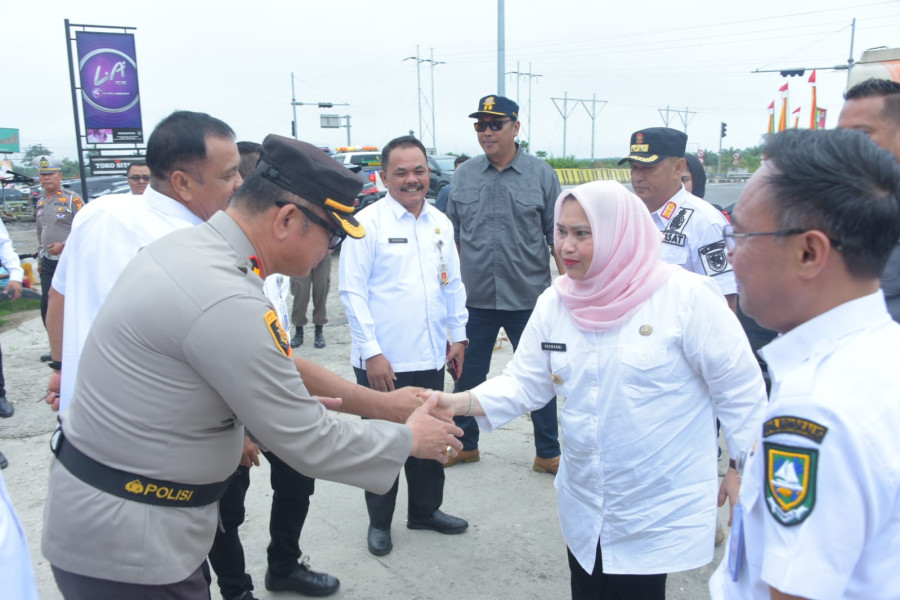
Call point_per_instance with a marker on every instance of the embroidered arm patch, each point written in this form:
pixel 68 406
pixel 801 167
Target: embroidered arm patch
pixel 282 341
pixel 790 482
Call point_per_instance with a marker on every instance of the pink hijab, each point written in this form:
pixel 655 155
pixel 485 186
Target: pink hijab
pixel 625 270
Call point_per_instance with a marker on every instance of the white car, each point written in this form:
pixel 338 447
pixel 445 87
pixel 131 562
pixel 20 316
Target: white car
pixel 366 157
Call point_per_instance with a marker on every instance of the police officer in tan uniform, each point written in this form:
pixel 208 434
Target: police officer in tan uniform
pixel 185 353
pixel 55 211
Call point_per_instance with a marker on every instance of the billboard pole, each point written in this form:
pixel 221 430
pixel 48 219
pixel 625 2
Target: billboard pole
pixel 84 190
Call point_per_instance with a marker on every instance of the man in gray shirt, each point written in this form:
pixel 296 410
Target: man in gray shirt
pixel 501 207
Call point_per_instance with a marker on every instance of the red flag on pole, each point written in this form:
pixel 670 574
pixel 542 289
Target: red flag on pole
pixel 796 113
pixel 771 127
pixel 813 117
pixel 783 117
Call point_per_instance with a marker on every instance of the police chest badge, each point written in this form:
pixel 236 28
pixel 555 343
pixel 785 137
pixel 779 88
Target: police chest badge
pixel 790 482
pixel 282 341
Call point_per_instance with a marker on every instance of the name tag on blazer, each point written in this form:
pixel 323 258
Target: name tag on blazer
pixel 398 241
pixel 553 347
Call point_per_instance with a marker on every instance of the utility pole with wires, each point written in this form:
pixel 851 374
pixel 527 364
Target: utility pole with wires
pixel 518 73
pixel 433 62
pixel 668 113
pixel 592 112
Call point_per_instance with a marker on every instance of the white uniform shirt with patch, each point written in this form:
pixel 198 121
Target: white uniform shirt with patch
pixel 692 238
pixel 821 493
pixel 15 561
pixel 106 235
pixel 638 468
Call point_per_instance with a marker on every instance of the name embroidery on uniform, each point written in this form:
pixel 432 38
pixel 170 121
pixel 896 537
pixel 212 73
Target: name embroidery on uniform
pixel 714 258
pixel 282 341
pixel 790 475
pixel 398 241
pixel 796 426
pixel 553 347
pixel 676 239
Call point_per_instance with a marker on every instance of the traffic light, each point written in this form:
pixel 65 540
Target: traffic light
pixel 724 131
pixel 792 73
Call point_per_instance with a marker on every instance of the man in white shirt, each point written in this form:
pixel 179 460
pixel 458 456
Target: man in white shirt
pixel 403 295
pixel 818 510
pixel 691 226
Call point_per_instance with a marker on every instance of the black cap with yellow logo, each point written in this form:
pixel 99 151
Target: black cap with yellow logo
pixel 496 105
pixel 651 145
pixel 307 171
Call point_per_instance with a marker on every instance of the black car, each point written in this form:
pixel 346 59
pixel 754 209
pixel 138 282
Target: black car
pixel 442 168
pixel 96 185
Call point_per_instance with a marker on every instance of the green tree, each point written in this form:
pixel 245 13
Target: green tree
pixel 541 154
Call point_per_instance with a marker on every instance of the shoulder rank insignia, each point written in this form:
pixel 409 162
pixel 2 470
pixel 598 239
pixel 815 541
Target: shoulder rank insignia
pixel 282 341
pixel 668 209
pixel 790 474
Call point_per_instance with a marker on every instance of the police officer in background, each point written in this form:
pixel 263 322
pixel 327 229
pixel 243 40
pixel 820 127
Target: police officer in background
pixel 55 211
pixel 184 354
pixel 692 227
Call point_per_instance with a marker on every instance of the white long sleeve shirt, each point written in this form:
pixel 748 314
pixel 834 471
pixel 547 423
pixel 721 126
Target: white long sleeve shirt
pixel 8 257
pixel 106 235
pixel 821 492
pixel 401 287
pixel 638 468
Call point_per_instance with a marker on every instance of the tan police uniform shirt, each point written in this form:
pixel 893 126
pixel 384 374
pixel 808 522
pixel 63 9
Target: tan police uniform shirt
pixel 184 353
pixel 54 215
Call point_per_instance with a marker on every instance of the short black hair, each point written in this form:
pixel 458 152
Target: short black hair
pixel 460 160
pixel 135 163
pixel 841 183
pixel 403 141
pixel 250 153
pixel 258 194
pixel 698 175
pixel 179 141
pixel 879 88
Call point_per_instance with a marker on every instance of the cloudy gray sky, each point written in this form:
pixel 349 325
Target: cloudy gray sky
pixel 234 60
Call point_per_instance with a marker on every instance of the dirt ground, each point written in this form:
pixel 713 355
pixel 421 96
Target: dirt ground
pixel 512 549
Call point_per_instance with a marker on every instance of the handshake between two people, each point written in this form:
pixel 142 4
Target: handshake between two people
pixel 434 432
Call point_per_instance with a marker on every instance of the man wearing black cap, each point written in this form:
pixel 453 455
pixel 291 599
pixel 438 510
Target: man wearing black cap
pixel 501 207
pixel 692 227
pixel 132 496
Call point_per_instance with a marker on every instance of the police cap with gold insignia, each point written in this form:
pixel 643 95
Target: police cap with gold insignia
pixel 496 105
pixel 47 164
pixel 307 171
pixel 651 145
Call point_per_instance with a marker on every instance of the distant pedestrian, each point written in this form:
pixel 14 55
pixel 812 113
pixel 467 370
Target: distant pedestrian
pixel 444 195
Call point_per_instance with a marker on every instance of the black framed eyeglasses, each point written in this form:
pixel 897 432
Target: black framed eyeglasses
pixel 730 237
pixel 495 125
pixel 337 235
pixel 139 177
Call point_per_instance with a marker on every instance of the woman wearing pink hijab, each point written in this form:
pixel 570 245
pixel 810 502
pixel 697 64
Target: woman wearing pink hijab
pixel 646 355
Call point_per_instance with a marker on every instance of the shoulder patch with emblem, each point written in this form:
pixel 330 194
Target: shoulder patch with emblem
pixel 796 426
pixel 790 476
pixel 282 341
pixel 714 258
pixel 680 220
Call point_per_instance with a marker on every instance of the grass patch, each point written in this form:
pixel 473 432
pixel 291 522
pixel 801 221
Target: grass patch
pixel 20 305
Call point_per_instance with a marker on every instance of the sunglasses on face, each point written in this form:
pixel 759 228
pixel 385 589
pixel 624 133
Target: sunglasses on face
pixel 139 177
pixel 337 235
pixel 493 125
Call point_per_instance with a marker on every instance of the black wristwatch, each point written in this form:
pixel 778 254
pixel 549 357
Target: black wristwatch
pixel 56 365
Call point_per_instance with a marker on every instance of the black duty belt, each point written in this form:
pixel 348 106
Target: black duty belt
pixel 129 485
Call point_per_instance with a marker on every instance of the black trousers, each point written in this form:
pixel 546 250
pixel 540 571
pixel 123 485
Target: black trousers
pixel 47 268
pixel 424 478
pixel 600 586
pixel 290 504
pixel 82 587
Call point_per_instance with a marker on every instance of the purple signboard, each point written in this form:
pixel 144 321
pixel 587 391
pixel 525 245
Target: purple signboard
pixel 109 87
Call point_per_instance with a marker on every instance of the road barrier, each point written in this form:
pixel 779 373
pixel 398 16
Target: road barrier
pixel 578 176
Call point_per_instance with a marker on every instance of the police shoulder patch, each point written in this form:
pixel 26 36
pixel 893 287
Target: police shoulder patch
pixel 282 341
pixel 790 475
pixel 714 258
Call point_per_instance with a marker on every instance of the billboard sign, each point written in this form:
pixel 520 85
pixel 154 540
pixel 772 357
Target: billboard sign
pixel 112 165
pixel 9 140
pixel 109 87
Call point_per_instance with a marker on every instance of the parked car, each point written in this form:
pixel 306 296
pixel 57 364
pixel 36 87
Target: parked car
pixel 96 185
pixel 367 158
pixel 369 192
pixel 442 168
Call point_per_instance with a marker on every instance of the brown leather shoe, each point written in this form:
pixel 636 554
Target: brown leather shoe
pixel 546 465
pixel 463 456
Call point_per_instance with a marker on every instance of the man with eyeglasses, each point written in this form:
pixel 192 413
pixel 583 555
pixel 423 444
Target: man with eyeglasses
pixel 138 177
pixel 817 516
pixel 184 354
pixel 691 226
pixel 405 303
pixel 501 207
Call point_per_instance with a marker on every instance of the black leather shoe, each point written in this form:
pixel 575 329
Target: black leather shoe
pixel 297 340
pixel 303 580
pixel 380 541
pixel 3 462
pixel 438 521
pixel 6 409
pixel 46 357
pixel 248 595
pixel 320 337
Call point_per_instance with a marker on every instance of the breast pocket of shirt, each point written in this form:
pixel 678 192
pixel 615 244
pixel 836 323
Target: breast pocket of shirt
pixel 529 207
pixel 645 368
pixel 561 373
pixel 673 253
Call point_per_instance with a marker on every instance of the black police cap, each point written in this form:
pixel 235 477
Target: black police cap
pixel 651 145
